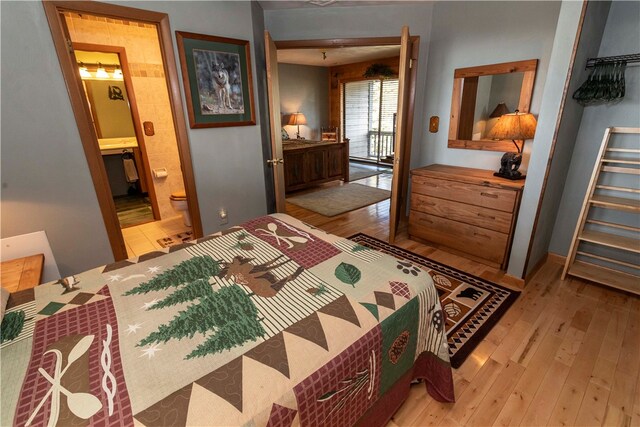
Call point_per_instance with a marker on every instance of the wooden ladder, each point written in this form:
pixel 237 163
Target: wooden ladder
pixel 603 268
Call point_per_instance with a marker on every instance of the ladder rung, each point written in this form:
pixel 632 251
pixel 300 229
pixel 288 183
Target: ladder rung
pixel 611 260
pixel 611 240
pixel 620 203
pixel 621 161
pixel 614 225
pixel 606 276
pixel 624 189
pixel 618 169
pixel 624 150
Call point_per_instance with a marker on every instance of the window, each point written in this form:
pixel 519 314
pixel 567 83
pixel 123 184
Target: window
pixel 369 118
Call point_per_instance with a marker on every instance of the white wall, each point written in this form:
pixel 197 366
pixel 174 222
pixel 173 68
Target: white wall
pixel 591 35
pixel 46 183
pixel 622 24
pixel 305 89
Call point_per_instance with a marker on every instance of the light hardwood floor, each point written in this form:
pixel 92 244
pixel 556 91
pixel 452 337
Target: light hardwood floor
pixel 567 353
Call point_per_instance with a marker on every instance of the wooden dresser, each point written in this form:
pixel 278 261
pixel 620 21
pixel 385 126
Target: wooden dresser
pixel 308 163
pixel 466 209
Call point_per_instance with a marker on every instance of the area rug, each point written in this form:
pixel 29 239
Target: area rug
pixel 359 172
pixel 333 201
pixel 472 305
pixel 176 239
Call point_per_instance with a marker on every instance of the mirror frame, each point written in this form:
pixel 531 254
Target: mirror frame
pixel 527 67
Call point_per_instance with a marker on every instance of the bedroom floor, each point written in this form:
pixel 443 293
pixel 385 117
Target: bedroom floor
pixel 566 353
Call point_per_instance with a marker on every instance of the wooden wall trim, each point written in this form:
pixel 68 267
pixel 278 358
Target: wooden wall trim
pixel 82 113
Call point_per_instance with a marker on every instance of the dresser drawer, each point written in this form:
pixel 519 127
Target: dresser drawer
pixel 487 244
pixel 469 214
pixel 478 195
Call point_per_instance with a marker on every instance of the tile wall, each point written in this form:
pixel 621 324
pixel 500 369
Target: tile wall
pixel 142 47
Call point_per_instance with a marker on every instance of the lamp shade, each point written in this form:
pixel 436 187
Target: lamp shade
pixel 514 126
pixel 500 110
pixel 297 119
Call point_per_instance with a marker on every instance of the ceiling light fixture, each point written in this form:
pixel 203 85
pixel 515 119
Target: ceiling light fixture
pixel 117 74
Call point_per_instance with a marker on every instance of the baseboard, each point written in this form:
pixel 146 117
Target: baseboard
pixel 551 257
pixel 558 259
pixel 513 281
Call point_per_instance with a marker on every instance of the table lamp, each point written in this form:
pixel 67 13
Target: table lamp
pixel 513 126
pixel 297 119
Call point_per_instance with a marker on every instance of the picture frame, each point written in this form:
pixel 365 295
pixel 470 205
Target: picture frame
pixel 218 84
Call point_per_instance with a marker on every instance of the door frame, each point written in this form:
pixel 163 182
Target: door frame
pixel 135 116
pixel 371 41
pixel 64 50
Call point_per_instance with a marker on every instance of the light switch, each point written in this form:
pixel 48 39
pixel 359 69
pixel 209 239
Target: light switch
pixel 434 122
pixel 148 128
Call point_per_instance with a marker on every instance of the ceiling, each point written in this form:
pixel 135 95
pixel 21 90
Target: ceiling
pixel 336 56
pixel 293 4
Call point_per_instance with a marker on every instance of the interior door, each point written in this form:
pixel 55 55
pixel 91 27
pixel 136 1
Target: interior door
pixel 273 89
pixel 404 124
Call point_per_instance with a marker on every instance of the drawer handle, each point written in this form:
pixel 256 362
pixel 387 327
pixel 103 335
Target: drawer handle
pixel 494 196
pixel 425 220
pixel 486 216
pixel 481 235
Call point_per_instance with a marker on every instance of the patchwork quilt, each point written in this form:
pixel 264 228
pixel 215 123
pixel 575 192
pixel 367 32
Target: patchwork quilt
pixel 269 323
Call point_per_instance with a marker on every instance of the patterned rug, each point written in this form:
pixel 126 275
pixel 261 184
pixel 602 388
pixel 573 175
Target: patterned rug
pixel 176 239
pixel 472 305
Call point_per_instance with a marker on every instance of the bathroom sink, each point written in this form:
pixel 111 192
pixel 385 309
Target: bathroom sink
pixel 111 144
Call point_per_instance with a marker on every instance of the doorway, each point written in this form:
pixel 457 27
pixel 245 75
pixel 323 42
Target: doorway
pixel 342 85
pixel 130 121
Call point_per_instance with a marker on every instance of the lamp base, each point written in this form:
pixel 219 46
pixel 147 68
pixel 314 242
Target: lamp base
pixel 509 165
pixel 511 177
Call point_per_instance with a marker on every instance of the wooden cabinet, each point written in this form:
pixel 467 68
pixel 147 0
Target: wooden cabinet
pixel 308 163
pixel 466 209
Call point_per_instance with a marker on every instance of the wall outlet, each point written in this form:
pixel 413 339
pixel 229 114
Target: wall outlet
pixel 222 214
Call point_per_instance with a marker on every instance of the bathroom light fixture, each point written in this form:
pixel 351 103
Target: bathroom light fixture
pixel 117 74
pixel 101 73
pixel 84 72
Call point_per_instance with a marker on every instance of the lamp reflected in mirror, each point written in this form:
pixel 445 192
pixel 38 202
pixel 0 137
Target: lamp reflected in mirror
pixel 513 126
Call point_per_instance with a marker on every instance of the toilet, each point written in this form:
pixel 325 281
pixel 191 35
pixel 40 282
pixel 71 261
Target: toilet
pixel 179 203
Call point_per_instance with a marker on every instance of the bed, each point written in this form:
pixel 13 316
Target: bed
pixel 271 323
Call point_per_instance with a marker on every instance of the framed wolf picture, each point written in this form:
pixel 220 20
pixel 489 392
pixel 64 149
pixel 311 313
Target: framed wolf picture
pixel 216 72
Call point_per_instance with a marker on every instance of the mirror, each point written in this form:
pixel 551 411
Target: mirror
pixel 109 100
pixel 481 95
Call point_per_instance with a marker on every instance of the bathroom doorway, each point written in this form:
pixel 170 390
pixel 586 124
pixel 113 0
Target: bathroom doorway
pixel 108 87
pixel 120 70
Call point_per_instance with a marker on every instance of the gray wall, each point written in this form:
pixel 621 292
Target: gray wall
pixel 305 89
pixel 622 24
pixel 594 23
pixel 559 63
pixel 471 33
pixel 46 183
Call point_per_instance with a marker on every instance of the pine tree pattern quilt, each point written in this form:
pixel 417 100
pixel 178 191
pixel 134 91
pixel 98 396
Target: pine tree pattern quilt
pixel 271 323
